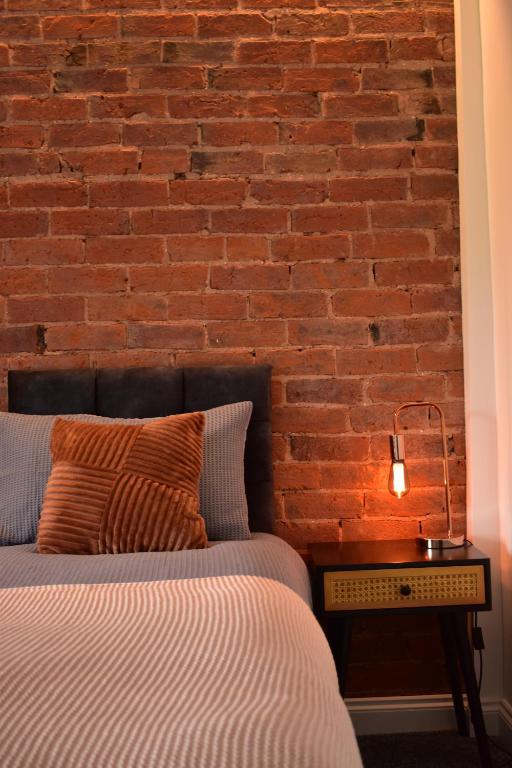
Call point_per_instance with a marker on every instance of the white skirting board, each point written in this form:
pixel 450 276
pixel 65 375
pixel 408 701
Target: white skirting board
pixel 409 714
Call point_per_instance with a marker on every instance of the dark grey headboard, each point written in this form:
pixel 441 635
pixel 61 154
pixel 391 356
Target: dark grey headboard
pixel 149 392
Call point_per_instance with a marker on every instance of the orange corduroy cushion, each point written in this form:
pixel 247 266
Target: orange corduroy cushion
pixel 124 488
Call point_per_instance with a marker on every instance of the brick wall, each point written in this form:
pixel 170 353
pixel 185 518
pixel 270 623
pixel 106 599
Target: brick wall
pixel 192 181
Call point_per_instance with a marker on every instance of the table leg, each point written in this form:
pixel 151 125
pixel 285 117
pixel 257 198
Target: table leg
pixel 458 621
pixel 452 668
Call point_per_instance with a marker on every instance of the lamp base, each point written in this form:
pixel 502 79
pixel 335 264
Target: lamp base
pixel 431 543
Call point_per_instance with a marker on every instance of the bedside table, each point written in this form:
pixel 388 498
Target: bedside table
pixel 390 577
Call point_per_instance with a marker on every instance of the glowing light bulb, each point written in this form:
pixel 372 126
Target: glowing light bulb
pixel 398 479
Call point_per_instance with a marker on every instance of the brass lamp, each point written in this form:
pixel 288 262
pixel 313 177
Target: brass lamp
pixel 399 479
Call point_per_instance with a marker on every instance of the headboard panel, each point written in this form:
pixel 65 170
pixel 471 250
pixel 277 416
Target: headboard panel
pixel 149 392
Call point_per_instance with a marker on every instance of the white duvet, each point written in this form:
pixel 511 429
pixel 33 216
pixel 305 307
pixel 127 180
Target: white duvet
pixel 218 672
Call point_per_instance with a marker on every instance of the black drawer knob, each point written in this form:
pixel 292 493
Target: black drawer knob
pixel 405 590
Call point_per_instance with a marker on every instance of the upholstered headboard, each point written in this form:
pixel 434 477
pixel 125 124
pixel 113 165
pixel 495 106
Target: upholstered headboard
pixel 149 392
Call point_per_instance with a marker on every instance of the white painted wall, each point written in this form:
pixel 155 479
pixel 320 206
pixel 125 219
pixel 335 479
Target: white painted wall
pixel 484 91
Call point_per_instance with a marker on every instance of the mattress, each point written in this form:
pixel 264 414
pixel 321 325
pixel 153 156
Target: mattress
pixel 218 672
pixel 262 555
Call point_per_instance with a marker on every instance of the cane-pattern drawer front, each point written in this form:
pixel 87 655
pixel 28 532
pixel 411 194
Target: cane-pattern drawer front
pixel 404 588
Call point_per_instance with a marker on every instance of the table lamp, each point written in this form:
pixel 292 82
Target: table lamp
pixel 399 478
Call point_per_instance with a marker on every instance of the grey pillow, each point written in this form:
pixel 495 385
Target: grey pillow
pixel 25 465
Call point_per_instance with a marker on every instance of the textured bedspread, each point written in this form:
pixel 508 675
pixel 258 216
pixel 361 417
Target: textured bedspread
pixel 224 672
pixel 263 555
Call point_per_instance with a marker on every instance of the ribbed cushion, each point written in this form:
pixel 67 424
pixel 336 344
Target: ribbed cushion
pixel 25 465
pixel 117 488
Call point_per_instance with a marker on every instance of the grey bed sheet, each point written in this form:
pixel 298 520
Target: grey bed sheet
pixel 262 555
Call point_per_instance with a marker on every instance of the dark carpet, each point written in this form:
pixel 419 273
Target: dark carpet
pixel 426 750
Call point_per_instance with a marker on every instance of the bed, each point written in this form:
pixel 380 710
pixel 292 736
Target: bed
pixel 166 659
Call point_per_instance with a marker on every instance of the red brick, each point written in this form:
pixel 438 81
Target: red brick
pixel 288 192
pixel 340 505
pixel 23 223
pixel 391 245
pixel 311 419
pixel 90 81
pixel 207 306
pixel 406 388
pixel 375 158
pixel 318 132
pixel 23 338
pixel 409 215
pixel 436 300
pixel 90 222
pixel 49 55
pixel 444 157
pixel 107 162
pixel 135 105
pixel 297 477
pixel 291 304
pixel 19 281
pixel 24 82
pixel 175 78
pixel 387 22
pixel 20 136
pixel 440 358
pixel 203 53
pixel 329 218
pixel 46 310
pixel 223 162
pixel 52 108
pixel 355 362
pixel 168 221
pixel 4 56
pixel 440 20
pixel 130 193
pixel 396 79
pixel 384 131
pixel 414 272
pixel 300 161
pixel 16 27
pixel 163 279
pixel 164 161
pixel 311 248
pixel 195 247
pixel 369 303
pixel 85 26
pixel 86 279
pixel 334 274
pixel 435 186
pixel 334 332
pixel 118 53
pixel 287 105
pixel 207 105
pixel 367 530
pixel 318 390
pixel 327 448
pixel 85 336
pixel 410 330
pixel 247 248
pixel 44 251
pixel 159 134
pixel 320 24
pixel 45 194
pixel 158 25
pixel 254 278
pixel 314 362
pixel 361 105
pixel 416 48
pixel 132 307
pixel 314 79
pixel 124 250
pixel 283 52
pixel 233 24
pixel 348 190
pixel 442 129
pixel 209 192
pixel 83 134
pixel 234 134
pixel 249 220
pixel 351 51
pixel 246 79
pixel 247 333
